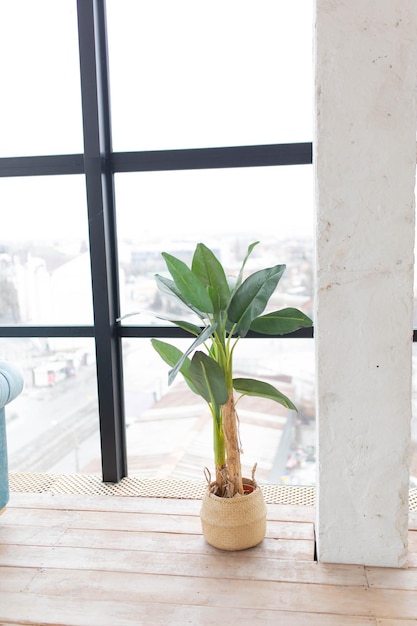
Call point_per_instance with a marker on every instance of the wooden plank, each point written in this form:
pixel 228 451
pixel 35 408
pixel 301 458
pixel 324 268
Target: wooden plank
pixel 188 544
pixel 140 522
pixel 217 566
pixel 392 578
pixel 103 561
pixel 31 535
pixel 290 530
pixel 282 549
pixel 82 502
pixel 16 578
pixel 38 517
pixel 225 593
pixel 177 524
pixel 58 610
pixel 396 622
pixel 301 549
pixel 110 520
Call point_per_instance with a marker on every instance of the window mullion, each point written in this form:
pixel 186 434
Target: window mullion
pixel 100 201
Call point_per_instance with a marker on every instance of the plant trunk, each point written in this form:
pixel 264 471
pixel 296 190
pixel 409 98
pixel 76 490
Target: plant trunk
pixel 219 453
pixel 231 437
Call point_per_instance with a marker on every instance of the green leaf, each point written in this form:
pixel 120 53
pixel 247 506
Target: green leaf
pixel 238 280
pixel 281 322
pixel 208 378
pixel 193 329
pixel 171 355
pixel 251 387
pixel 205 334
pixel 252 297
pixel 188 284
pixel 208 268
pixel 168 288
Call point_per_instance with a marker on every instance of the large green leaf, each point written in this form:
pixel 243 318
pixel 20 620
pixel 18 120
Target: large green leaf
pixel 168 288
pixel 252 297
pixel 189 285
pixel 281 322
pixel 202 337
pixel 208 378
pixel 171 355
pixel 208 268
pixel 251 387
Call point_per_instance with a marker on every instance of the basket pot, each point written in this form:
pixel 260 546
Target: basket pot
pixel 234 523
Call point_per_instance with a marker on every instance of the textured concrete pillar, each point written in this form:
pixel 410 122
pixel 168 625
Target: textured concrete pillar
pixel 365 160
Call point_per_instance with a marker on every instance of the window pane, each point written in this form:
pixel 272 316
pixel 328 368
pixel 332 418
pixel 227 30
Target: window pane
pixel 225 209
pixel 190 74
pixel 169 431
pixel 53 425
pixel 40 108
pixel 44 259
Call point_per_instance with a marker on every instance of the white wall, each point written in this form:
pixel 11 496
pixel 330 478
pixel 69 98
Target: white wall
pixel 365 160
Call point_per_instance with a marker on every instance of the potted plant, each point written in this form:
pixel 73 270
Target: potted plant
pixel 226 309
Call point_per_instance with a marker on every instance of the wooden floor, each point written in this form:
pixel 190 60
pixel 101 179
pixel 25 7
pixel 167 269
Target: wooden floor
pixel 100 560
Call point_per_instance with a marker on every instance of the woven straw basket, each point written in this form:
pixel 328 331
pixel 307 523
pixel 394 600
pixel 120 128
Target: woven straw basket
pixel 234 523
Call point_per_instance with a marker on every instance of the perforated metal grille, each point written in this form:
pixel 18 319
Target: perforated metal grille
pixel 412 500
pixel 153 488
pixel 289 494
pixel 93 485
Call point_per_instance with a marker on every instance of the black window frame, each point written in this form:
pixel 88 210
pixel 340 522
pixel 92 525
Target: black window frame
pixel 98 163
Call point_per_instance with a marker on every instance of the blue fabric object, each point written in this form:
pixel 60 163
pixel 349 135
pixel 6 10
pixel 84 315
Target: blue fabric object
pixel 11 384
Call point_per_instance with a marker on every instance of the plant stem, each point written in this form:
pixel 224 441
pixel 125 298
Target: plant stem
pixel 232 448
pixel 218 448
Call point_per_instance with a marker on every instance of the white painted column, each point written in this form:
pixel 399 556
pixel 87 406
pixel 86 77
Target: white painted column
pixel 365 160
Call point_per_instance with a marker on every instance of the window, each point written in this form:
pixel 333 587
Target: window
pixel 44 251
pixel 211 127
pixel 227 209
pixel 41 104
pixel 190 75
pixel 52 427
